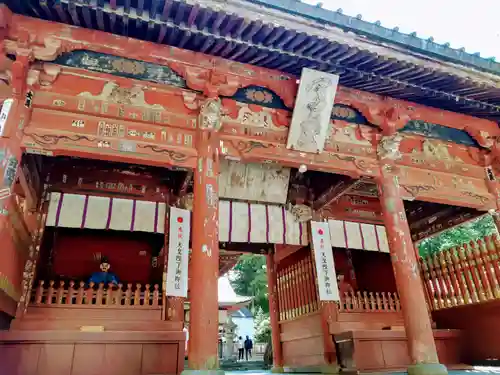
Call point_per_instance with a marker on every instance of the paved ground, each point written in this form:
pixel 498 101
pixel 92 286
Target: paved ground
pixel 476 371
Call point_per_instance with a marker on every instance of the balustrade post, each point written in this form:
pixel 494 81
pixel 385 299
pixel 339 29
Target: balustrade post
pixel 481 270
pixel 453 284
pixel 468 274
pixel 491 242
pixel 421 345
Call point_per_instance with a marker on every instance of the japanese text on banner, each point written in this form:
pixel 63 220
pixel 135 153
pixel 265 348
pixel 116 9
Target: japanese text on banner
pixel 325 266
pixel 178 253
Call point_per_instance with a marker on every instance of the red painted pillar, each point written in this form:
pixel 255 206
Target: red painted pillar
pixel 12 259
pixel 272 285
pixel 421 345
pixel 204 310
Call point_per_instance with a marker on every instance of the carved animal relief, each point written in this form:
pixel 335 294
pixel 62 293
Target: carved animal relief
pixel 210 115
pixel 254 182
pixel 435 150
pixel 112 92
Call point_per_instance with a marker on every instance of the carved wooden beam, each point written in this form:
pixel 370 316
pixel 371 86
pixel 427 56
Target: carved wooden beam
pixel 228 261
pixel 429 219
pixel 29 191
pixel 461 217
pixel 335 192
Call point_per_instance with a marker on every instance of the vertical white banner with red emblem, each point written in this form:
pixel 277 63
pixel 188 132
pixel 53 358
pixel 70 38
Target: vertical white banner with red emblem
pixel 325 266
pixel 178 252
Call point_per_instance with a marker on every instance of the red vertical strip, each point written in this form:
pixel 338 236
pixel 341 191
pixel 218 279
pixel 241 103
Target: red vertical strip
pixel 294 287
pixel 230 221
pixel 267 223
pixel 377 238
pixel 345 235
pixel 362 238
pixel 157 212
pixel 110 213
pixel 249 222
pixel 302 285
pixel 283 217
pixel 288 293
pixel 84 216
pixel 59 208
pixel 132 221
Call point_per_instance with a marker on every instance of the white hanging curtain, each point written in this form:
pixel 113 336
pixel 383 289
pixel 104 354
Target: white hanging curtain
pixel 351 235
pixel 92 212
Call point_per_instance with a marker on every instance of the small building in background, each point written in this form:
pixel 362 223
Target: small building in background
pixel 245 322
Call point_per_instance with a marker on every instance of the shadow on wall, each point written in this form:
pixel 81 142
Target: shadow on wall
pixel 5 320
pixel 479 326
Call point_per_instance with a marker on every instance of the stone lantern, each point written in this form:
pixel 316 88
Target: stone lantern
pixel 229 334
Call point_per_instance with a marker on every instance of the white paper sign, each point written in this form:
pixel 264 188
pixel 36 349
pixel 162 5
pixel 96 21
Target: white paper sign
pixel 312 112
pixel 325 266
pixel 178 252
pixel 4 114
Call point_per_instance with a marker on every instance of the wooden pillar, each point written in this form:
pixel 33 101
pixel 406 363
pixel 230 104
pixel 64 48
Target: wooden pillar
pixel 272 284
pixel 421 345
pixel 11 124
pixel 204 310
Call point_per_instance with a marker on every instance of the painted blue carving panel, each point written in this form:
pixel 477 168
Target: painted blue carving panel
pixel 259 95
pixel 122 67
pixel 443 133
pixel 346 113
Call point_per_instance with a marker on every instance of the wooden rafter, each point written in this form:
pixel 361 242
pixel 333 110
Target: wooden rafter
pixel 185 184
pixel 335 192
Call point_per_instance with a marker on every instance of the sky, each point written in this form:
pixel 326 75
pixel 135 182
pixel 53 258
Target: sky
pixel 474 25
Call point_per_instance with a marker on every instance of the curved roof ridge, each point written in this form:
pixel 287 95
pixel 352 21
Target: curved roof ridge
pixel 377 31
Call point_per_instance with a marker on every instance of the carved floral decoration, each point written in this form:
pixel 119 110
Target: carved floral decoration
pixel 210 115
pixel 302 213
pixel 187 201
pixel 259 96
pixel 388 147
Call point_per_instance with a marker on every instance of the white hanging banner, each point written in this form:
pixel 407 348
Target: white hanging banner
pixel 325 266
pixel 178 252
pixel 4 114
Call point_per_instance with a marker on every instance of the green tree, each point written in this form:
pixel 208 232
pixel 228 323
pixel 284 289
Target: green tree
pixel 249 279
pixel 471 231
pixel 262 327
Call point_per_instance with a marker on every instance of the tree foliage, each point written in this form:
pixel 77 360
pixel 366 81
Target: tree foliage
pixel 471 231
pixel 262 327
pixel 249 279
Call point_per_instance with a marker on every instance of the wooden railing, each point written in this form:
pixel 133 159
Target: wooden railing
pixel 68 294
pixel 297 292
pixel 463 275
pixel 296 285
pixel 369 301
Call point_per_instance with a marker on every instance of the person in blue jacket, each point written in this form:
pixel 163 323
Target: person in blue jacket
pixel 104 275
